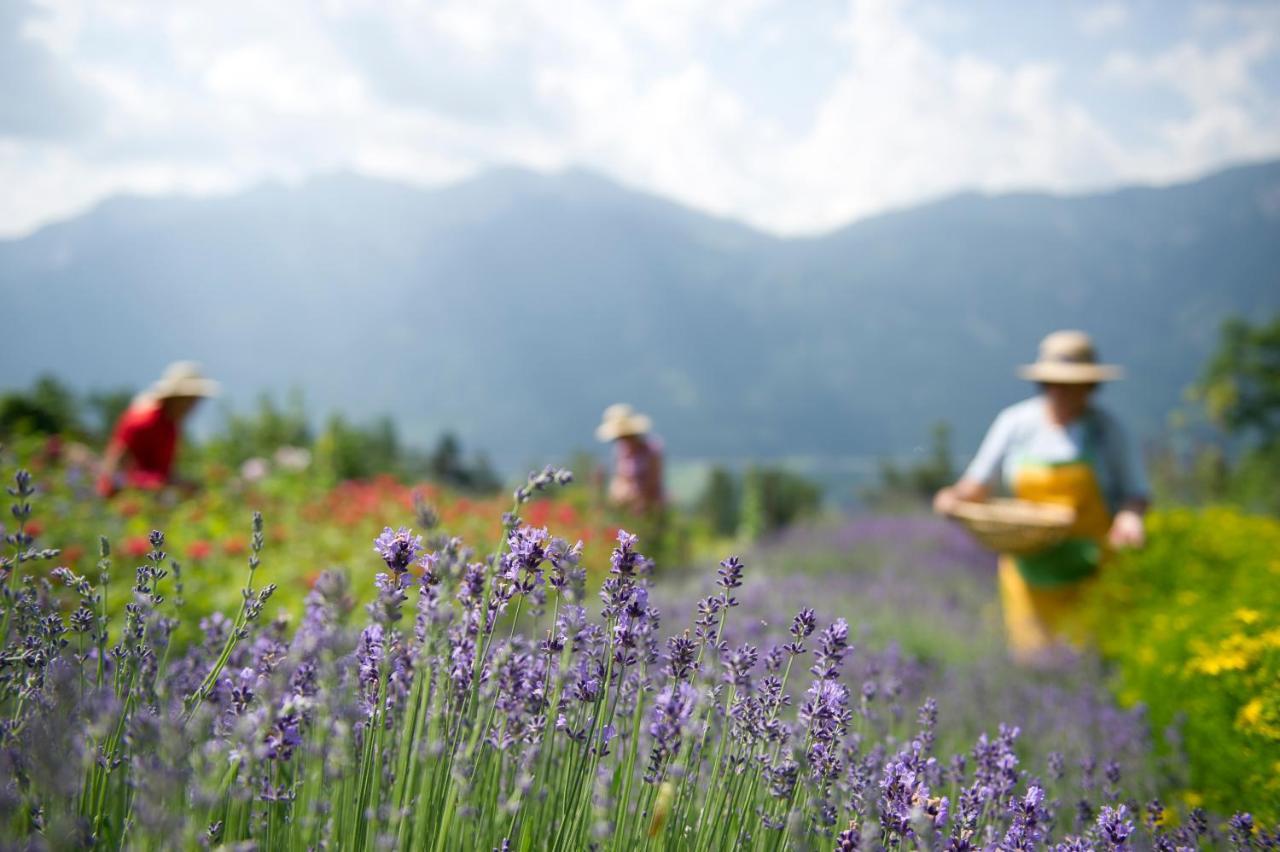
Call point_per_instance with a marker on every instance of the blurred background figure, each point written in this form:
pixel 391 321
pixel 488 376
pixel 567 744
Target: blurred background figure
pixel 637 473
pixel 1058 448
pixel 144 443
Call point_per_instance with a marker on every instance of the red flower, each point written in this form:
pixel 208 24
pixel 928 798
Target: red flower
pixel 538 514
pixel 72 554
pixel 34 528
pixel 136 546
pixel 199 549
pixel 233 547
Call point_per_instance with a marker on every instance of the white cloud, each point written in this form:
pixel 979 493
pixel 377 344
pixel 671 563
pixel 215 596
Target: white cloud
pixel 1227 113
pixel 1102 19
pixel 1204 76
pixel 668 96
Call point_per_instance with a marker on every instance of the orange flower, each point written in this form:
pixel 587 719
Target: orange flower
pixel 199 550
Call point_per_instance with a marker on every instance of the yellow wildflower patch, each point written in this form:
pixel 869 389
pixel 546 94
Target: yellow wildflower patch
pixel 1248 616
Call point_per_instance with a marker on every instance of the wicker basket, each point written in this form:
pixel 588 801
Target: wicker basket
pixel 1016 526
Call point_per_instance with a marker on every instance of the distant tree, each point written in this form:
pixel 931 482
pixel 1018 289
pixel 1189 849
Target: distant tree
pixel 774 498
pixel 481 475
pixel 937 471
pixel 1240 386
pixel 719 503
pixel 446 462
pixel 262 431
pixel 48 408
pixel 1240 391
pixel 907 487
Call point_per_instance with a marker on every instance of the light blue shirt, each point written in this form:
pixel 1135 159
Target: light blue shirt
pixel 1024 430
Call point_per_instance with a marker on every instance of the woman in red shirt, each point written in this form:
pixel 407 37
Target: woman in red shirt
pixel 637 475
pixel 145 441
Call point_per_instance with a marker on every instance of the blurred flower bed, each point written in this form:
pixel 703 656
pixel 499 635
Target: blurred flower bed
pixel 310 525
pixel 1192 624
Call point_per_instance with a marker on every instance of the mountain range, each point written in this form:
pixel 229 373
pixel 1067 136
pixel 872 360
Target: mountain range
pixel 513 307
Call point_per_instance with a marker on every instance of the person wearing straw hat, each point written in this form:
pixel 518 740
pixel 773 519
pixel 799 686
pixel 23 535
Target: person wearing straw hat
pixel 1058 447
pixel 144 442
pixel 637 474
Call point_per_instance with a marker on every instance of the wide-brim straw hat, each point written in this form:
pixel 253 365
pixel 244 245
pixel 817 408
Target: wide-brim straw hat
pixel 1069 358
pixel 621 421
pixel 183 379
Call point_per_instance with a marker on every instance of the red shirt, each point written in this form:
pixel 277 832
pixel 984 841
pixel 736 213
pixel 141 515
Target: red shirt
pixel 150 439
pixel 637 478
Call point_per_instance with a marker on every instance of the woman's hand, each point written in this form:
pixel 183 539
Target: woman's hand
pixel 947 499
pixel 1127 530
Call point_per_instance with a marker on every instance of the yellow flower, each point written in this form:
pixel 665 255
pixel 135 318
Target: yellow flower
pixel 1248 616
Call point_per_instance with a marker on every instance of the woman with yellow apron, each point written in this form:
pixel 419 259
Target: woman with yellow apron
pixel 1057 448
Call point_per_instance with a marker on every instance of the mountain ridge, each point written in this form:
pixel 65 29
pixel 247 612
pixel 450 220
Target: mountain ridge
pixel 515 306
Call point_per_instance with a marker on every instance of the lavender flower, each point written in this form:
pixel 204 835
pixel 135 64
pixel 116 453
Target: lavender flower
pixel 832 646
pixel 825 710
pixel 397 548
pixel 671 711
pixel 1114 826
pixel 730 572
pixel 1241 831
pixel 1026 828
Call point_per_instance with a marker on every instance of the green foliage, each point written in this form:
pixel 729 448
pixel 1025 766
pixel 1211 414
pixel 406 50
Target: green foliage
pixel 349 451
pixel 908 487
pixel 48 408
pixel 447 465
pixel 261 432
pixel 1199 644
pixel 763 500
pixel 774 498
pixel 1238 394
pixel 1241 384
pixel 720 502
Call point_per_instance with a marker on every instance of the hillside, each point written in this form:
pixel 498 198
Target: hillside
pixel 515 306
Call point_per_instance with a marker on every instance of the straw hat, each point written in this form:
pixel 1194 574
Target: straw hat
pixel 620 421
pixel 182 378
pixel 1069 358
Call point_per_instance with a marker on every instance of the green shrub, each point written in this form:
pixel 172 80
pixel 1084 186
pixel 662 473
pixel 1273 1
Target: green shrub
pixel 1192 623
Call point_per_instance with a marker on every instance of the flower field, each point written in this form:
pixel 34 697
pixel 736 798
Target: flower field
pixel 519 676
pixel 1200 646
pixel 309 526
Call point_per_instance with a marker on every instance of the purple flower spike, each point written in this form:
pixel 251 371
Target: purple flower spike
pixel 397 548
pixel 1114 826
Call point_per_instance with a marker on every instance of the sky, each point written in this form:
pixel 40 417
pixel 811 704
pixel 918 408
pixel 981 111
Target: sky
pixel 795 116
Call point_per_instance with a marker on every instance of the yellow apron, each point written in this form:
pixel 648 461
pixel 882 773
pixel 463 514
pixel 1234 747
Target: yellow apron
pixel 1039 592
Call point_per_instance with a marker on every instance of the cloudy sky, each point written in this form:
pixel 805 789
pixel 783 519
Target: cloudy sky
pixel 794 115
